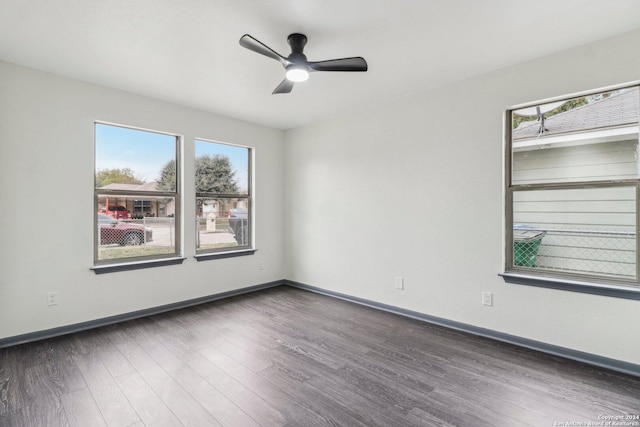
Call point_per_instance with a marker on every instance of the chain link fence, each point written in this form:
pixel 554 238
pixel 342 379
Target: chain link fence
pixel 124 238
pixel 606 253
pixel 215 233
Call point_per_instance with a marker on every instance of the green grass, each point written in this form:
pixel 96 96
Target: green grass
pixel 222 225
pixel 217 245
pixel 118 252
pixel 133 251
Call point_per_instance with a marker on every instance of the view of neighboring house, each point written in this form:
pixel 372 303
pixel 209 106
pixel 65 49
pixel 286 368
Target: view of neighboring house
pixel 161 207
pixel 138 207
pixel 586 230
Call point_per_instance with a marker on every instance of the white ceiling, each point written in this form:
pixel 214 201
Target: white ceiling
pixel 187 51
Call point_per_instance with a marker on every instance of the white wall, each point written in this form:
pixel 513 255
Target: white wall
pixel 46 183
pixel 414 189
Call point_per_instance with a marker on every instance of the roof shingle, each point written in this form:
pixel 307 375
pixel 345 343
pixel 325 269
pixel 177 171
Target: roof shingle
pixel 617 110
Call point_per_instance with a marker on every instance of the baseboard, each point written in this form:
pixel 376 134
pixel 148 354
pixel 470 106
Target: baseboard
pixel 591 359
pixel 69 329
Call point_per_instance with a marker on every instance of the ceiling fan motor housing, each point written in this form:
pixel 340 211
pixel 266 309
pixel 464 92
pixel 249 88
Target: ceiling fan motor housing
pixel 297 42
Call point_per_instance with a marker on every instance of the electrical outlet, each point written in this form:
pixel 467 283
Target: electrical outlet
pixel 399 283
pixel 487 298
pixel 52 298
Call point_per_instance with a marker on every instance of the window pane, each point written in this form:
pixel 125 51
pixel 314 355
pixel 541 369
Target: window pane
pixel 590 138
pixel 133 221
pixel 222 223
pixel 124 234
pixel 221 168
pixel 134 160
pixel 588 231
pixel 143 207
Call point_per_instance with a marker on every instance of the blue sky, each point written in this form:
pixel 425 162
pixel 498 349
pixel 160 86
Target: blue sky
pixel 147 152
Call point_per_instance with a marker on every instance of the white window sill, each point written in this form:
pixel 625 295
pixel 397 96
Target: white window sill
pixel 125 266
pixel 616 291
pixel 227 254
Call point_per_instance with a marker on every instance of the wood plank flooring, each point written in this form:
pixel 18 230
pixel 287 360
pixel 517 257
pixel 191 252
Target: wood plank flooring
pixel 288 357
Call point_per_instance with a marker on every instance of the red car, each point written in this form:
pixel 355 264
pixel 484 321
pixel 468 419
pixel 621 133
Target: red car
pixel 118 212
pixel 121 233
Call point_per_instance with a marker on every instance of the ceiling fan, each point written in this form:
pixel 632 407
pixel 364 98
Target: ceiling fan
pixel 296 64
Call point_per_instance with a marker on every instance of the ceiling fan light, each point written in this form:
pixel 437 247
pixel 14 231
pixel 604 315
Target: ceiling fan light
pixel 297 74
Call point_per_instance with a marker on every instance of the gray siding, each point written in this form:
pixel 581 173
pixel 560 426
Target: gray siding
pixel 612 160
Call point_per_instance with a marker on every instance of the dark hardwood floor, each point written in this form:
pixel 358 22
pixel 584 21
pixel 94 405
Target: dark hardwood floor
pixel 288 357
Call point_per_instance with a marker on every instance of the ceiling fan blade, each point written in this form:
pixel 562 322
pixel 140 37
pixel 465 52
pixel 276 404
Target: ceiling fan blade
pixel 284 87
pixel 250 43
pixel 343 64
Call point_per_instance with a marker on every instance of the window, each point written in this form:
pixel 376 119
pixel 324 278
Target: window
pixel 572 185
pixel 223 197
pixel 143 207
pixel 136 195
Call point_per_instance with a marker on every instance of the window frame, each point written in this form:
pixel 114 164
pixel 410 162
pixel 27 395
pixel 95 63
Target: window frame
pixel 586 283
pixel 120 264
pixel 229 251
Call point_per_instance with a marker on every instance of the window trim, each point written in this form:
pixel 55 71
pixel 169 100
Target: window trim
pixel 130 263
pixel 137 265
pixel 565 284
pixel 226 254
pixel 584 283
pixel 230 251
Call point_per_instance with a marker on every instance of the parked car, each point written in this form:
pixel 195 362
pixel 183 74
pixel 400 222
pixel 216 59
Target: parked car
pixel 239 224
pixel 118 212
pixel 113 231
